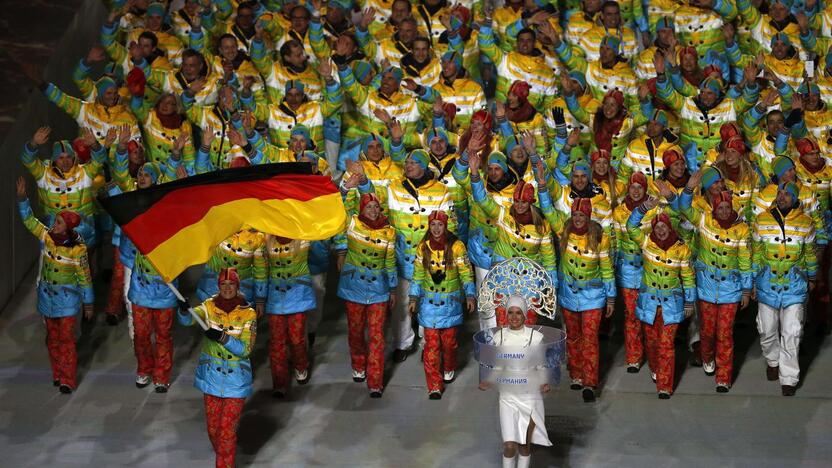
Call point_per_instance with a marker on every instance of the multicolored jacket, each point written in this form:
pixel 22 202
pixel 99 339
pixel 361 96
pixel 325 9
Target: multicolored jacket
pixel 701 128
pixel 72 191
pixel 224 370
pixel 629 264
pixel 586 279
pixel 290 283
pixel 409 208
pixel 701 28
pixel 147 288
pixel 93 115
pixel 668 280
pixel 723 260
pixel 158 139
pixel 442 291
pixel 764 201
pixel 820 183
pixel 514 240
pixel 602 80
pixel 784 257
pixel 65 282
pixel 369 272
pixel 245 251
pixel 276 75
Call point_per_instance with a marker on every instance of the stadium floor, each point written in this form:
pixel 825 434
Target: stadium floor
pixel 332 422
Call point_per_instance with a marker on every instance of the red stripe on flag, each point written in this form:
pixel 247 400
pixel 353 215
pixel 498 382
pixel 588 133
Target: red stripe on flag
pixel 186 206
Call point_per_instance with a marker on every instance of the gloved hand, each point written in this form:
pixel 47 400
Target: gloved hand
pixel 216 335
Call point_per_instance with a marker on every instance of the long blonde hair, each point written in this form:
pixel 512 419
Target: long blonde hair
pixel 538 220
pixel 594 234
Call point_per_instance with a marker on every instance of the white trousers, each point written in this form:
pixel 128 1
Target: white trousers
pixel 332 149
pixel 128 272
pixel 400 322
pixel 479 276
pixel 313 317
pixel 780 332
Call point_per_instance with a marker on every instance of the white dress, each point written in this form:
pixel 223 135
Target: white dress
pixel 517 409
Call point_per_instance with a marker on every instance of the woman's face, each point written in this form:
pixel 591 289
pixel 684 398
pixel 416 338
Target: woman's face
pixel 167 105
pixel 521 207
pixel 662 231
pixel 518 155
pixel 372 210
pixel 601 166
pixel 59 225
pixel 437 228
pixel 412 169
pixel 228 289
pixel 813 157
pixel 677 169
pixel 636 192
pixel 724 211
pixel 579 219
pixel 732 157
pixel 689 62
pixel 516 318
pixel 610 107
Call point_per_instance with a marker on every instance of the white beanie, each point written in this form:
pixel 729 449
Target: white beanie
pixel 516 301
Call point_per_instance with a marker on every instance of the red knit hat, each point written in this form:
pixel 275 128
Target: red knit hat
pixel 524 191
pixel 721 197
pixel 671 156
pixel 728 130
pixel 71 219
pixel 661 218
pixel 228 274
pixel 806 145
pixel 366 199
pixel 82 151
pixel 583 205
pixel 438 215
pixel 737 144
pixel 484 117
pixel 638 178
pixel 136 81
pixel 617 95
pixel 520 89
pixel 599 154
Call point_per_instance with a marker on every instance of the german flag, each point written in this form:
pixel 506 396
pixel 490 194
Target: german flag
pixel 180 223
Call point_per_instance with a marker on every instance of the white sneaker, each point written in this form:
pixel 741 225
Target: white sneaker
pixel 448 376
pixel 709 367
pixel 358 376
pixel 653 376
pixel 142 381
pixel 302 376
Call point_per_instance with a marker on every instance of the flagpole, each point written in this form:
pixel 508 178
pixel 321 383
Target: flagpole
pixel 190 309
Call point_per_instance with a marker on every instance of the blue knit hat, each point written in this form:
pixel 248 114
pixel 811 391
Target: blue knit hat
pixel 151 170
pixel 297 84
pixel 712 84
pixel 660 116
pixel 612 42
pixel 511 143
pixel 581 166
pixel 665 22
pixel 62 147
pixel 303 131
pixel 811 89
pixel 365 143
pixel 103 84
pixel 781 37
pixel 360 69
pixel 499 159
pixel 579 77
pixel 792 190
pixel 452 56
pixel 156 8
pixel 431 133
pixel 420 157
pixel 710 176
pixel 396 71
pixel 780 165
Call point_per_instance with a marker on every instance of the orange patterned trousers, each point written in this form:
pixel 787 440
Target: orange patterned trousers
pixel 716 337
pixel 369 318
pixel 60 342
pixel 155 361
pixel 660 351
pixel 582 345
pixel 222 416
pixel 440 355
pixel 288 332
